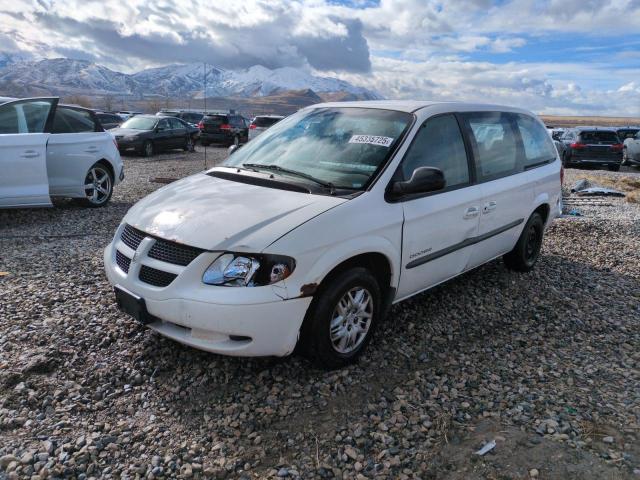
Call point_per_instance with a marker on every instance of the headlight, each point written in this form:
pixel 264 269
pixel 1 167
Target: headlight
pixel 239 270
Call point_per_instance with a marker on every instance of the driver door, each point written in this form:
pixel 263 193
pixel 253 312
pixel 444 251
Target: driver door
pixel 23 152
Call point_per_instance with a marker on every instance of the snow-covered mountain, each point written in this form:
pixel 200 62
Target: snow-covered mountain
pixel 62 76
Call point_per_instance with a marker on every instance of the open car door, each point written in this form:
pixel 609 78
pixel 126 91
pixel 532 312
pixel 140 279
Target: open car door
pixel 23 152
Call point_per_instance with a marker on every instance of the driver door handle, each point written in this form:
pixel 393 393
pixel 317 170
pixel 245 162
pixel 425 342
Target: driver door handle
pixel 489 206
pixel 472 212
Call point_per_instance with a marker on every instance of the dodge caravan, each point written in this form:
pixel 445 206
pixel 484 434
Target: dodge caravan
pixel 305 236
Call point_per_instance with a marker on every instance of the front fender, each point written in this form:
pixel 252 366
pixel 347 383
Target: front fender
pixel 316 270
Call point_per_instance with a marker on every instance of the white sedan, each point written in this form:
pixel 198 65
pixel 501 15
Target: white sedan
pixel 50 150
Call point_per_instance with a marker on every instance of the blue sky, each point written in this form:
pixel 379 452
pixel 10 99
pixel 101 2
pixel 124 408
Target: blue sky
pixel 552 56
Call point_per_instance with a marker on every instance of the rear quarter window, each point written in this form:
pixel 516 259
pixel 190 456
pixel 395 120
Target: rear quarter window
pixel 538 147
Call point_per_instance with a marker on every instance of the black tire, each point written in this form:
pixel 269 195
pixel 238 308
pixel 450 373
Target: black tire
pixel 188 145
pixel 614 168
pixel 565 160
pixel 148 149
pixel 316 341
pixel 235 141
pixel 625 156
pixel 525 254
pixel 204 143
pixel 98 174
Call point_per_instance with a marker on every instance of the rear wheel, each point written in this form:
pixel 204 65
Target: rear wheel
pixel 98 186
pixel 188 144
pixel 204 143
pixel 614 168
pixel 525 254
pixel 342 318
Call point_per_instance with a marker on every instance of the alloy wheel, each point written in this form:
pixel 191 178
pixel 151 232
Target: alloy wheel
pixel 351 320
pixel 97 185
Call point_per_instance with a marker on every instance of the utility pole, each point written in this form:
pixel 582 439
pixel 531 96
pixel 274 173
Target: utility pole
pixel 205 109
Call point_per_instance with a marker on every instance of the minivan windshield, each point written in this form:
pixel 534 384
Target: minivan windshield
pixel 342 147
pixel 140 123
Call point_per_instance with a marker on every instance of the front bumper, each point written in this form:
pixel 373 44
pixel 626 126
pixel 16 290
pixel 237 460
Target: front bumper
pixel 124 145
pixel 239 321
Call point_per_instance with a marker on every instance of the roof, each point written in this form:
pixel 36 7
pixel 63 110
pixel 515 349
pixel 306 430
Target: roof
pixel 6 99
pixel 411 106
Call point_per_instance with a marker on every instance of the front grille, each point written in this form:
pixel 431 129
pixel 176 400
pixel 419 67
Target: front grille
pixel 132 237
pixel 123 261
pixel 155 277
pixel 175 253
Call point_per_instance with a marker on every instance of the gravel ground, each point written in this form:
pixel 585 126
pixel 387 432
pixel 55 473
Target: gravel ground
pixel 545 364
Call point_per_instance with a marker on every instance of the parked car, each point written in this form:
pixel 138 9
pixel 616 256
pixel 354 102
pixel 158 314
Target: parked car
pixel 51 150
pixel 306 235
pixel 590 146
pixel 631 150
pixel 627 132
pixel 227 129
pixel 148 134
pixel 109 120
pixel 193 117
pixel 261 122
pixel 126 114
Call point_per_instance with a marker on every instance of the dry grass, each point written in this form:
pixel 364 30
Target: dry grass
pixel 629 185
pixel 573 121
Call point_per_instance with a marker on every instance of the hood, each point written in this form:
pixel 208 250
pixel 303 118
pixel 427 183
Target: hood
pixel 125 132
pixel 219 214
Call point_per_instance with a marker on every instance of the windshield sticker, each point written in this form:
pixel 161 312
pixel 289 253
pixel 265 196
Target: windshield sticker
pixel 372 140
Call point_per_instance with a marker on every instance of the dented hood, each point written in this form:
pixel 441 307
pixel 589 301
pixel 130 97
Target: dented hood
pixel 219 214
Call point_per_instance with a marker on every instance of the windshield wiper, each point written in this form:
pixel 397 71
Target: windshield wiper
pixel 278 168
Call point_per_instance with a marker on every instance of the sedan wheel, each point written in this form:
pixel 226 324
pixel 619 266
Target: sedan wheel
pixel 98 186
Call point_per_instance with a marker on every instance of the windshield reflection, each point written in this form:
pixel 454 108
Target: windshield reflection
pixel 343 147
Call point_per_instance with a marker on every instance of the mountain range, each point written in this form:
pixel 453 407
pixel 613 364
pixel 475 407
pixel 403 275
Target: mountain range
pixel 21 77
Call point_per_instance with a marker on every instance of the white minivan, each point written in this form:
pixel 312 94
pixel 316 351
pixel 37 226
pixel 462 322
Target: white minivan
pixel 304 237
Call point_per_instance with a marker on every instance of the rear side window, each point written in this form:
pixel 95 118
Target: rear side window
pixel 538 147
pixel 176 124
pixel 265 121
pixel 67 120
pixel 599 136
pixel 494 142
pixel 191 117
pixel 439 144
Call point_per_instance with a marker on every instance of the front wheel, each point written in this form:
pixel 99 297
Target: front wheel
pixel 525 254
pixel 614 168
pixel 98 186
pixel 342 318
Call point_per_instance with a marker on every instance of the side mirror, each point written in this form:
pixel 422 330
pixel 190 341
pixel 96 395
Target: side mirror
pixel 232 149
pixel 423 180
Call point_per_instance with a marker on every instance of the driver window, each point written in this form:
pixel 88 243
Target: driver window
pixel 163 125
pixel 439 144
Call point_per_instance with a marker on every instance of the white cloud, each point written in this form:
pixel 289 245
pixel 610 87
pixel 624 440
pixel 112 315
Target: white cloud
pixel 421 48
